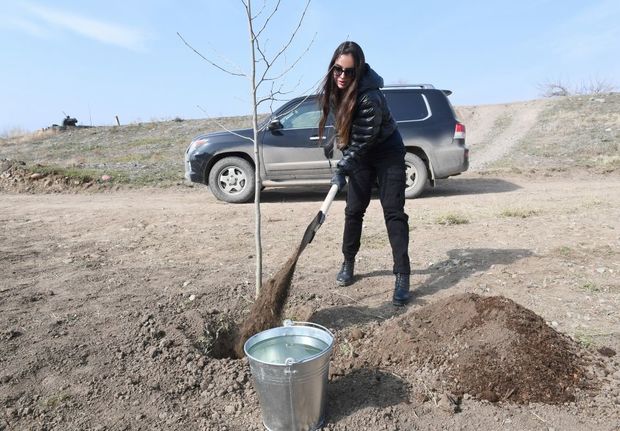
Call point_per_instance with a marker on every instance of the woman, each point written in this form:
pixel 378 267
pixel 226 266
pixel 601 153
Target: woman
pixel 373 151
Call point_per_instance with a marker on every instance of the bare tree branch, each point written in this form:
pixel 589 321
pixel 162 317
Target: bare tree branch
pixel 553 89
pixel 225 59
pixel 314 89
pixel 596 86
pixel 285 47
pixel 222 126
pixel 557 88
pixel 271 93
pixel 260 11
pixel 275 9
pixel 264 78
pixel 261 50
pixel 279 91
pixel 209 61
pixel 262 54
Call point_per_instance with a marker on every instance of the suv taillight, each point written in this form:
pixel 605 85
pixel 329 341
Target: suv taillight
pixel 459 131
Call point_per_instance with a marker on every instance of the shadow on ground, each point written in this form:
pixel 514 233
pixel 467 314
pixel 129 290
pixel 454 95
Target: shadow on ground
pixel 460 264
pixel 363 388
pixel 470 186
pixel 298 194
pixel 339 318
pixel 447 187
pixel 463 263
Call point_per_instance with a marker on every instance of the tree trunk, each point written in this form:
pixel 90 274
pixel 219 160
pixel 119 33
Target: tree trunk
pixel 257 160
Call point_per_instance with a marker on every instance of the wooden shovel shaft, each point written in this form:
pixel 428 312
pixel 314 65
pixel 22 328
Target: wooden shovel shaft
pixel 329 199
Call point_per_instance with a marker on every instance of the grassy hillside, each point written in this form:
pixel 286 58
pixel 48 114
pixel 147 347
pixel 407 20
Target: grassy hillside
pixel 577 131
pixel 548 135
pixel 139 154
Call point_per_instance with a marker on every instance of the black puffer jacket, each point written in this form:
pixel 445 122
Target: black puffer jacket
pixel 372 122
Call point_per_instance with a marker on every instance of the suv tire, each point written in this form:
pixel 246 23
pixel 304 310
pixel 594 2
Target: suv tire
pixel 417 176
pixel 232 180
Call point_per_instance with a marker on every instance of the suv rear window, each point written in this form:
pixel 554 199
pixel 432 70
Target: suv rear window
pixel 406 105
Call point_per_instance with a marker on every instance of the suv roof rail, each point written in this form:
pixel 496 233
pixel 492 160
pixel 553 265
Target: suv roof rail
pixel 423 86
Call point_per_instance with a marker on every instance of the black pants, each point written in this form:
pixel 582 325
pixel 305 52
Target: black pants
pixel 387 167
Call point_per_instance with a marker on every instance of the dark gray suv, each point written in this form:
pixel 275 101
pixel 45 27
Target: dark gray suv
pixel 292 156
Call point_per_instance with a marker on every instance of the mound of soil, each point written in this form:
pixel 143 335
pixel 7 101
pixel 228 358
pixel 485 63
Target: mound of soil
pixel 17 177
pixel 487 347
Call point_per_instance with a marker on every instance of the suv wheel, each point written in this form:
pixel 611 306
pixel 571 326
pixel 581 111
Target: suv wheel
pixel 417 176
pixel 232 180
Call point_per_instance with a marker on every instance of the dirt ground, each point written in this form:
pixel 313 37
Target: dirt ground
pixel 514 323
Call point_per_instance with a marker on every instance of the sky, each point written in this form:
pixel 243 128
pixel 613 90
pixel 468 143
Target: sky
pixel 94 60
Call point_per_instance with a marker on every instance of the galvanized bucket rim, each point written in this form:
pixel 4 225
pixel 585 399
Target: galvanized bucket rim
pixel 289 323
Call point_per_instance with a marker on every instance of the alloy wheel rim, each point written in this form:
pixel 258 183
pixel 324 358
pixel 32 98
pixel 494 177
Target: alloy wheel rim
pixel 232 180
pixel 411 176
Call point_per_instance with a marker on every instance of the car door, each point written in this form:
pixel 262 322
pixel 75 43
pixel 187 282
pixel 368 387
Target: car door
pixel 291 148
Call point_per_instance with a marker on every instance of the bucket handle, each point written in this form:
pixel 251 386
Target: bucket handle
pixel 289 322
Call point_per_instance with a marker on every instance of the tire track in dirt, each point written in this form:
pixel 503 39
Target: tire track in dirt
pixel 494 130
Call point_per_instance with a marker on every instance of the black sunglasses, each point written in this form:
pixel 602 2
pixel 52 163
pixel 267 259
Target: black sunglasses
pixel 348 72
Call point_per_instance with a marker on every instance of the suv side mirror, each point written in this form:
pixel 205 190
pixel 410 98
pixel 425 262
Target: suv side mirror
pixel 275 125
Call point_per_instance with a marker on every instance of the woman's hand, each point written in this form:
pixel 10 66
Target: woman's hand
pixel 339 180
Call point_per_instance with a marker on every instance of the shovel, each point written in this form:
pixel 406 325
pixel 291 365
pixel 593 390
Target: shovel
pixel 266 312
pixel 315 224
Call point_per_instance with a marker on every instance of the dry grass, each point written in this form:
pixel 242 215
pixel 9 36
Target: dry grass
pixel 519 213
pixel 451 219
pixel 20 136
pixel 580 131
pixel 590 287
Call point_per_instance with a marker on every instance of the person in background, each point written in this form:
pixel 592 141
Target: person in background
pixel 373 152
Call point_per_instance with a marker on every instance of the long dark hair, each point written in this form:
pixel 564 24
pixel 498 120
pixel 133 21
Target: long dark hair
pixel 343 101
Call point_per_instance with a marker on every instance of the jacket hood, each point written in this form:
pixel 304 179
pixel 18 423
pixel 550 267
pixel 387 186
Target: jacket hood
pixel 370 80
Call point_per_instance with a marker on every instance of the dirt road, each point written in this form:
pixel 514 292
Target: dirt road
pixel 104 297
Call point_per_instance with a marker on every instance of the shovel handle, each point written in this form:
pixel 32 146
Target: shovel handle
pixel 333 191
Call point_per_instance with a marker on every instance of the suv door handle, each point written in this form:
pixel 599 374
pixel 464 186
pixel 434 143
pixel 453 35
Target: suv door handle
pixel 316 137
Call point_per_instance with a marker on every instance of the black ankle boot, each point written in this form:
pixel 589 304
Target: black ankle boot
pixel 401 290
pixel 345 276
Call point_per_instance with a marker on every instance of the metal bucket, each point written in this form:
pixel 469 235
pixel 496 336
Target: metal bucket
pixel 290 367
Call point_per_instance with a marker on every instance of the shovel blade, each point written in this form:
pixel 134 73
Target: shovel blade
pixel 314 225
pixel 318 219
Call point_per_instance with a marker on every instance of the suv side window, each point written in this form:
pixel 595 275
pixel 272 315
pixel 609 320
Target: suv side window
pixel 304 116
pixel 407 106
